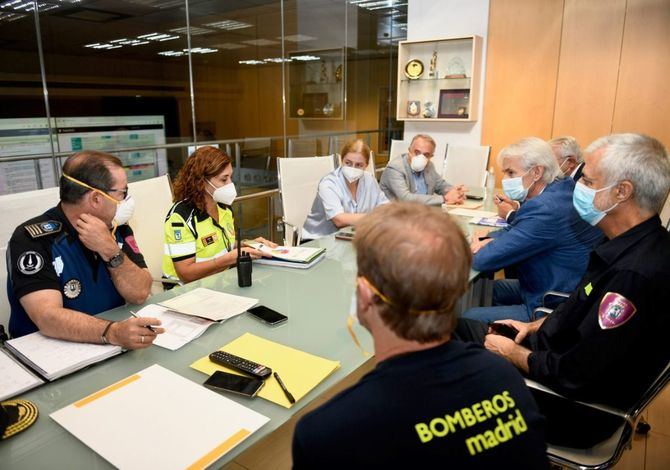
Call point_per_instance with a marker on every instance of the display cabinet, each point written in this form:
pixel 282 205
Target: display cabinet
pixel 316 84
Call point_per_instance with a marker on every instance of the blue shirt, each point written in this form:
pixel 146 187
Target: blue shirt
pixel 333 197
pixel 56 260
pixel 420 182
pixel 547 240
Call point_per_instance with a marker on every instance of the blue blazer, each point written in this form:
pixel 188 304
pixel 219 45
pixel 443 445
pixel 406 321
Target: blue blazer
pixel 547 240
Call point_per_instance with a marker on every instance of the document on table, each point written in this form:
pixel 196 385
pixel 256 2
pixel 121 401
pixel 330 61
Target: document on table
pixel 180 329
pixel 54 358
pixel 471 213
pixel 188 425
pixel 295 254
pixel 16 379
pixel 300 371
pixel 464 205
pixel 210 304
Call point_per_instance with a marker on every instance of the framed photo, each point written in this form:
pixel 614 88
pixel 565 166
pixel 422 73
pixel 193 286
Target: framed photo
pixel 413 108
pixel 454 104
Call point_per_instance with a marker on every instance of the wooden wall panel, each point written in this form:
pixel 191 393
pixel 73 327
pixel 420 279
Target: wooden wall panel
pixel 521 71
pixel 643 94
pixel 588 68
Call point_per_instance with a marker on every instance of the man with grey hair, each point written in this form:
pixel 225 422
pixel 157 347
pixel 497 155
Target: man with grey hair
pixel 608 342
pixel 547 240
pixel 568 155
pixel 412 177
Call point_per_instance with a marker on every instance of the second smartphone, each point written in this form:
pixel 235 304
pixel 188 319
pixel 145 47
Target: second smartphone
pixel 267 315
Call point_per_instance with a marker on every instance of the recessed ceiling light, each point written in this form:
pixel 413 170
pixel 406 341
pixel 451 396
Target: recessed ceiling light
pixel 195 30
pixel 229 25
pixel 305 58
pixel 251 62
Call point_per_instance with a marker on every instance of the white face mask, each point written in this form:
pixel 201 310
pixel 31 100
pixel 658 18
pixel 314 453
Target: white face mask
pixel 225 194
pixel 124 211
pixel 419 163
pixel 352 174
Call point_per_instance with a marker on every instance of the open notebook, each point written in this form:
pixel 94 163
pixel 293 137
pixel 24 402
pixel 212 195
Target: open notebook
pixel 15 378
pixel 54 358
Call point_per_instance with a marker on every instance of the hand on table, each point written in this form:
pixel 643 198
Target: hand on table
pixel 133 332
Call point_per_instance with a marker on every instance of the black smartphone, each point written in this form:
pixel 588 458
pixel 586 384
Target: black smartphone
pixel 504 330
pixel 474 197
pixel 223 381
pixel 267 315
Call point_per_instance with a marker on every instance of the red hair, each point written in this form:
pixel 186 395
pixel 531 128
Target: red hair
pixel 204 163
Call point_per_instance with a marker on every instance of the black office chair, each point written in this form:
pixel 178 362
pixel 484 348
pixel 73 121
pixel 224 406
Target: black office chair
pixel 608 452
pixel 546 301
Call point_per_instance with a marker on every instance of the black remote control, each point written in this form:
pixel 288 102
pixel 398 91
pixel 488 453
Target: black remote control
pixel 243 365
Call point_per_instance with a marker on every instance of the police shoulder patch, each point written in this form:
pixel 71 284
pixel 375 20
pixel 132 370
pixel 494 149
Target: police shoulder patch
pixel 41 229
pixel 614 311
pixel 30 262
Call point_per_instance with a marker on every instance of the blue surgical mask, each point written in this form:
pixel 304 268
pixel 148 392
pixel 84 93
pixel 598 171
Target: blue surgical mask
pixel 513 188
pixel 582 199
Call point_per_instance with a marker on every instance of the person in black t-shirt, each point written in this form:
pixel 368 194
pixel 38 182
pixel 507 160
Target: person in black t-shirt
pixel 430 401
pixel 608 342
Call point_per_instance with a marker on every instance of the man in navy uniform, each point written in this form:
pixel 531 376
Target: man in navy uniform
pixel 608 342
pixel 430 401
pixel 79 259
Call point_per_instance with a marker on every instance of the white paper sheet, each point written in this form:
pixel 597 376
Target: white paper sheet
pixel 472 213
pixel 159 419
pixel 207 303
pixel 15 378
pixel 179 329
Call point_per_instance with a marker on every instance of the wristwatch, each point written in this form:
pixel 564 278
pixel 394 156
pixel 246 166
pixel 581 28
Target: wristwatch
pixel 116 260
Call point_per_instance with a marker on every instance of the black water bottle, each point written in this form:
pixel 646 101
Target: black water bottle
pixel 244 266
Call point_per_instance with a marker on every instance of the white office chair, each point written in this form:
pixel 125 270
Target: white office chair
pixel 466 165
pixel 398 147
pixel 153 199
pixel 16 209
pixel 298 182
pixel 306 147
pixel 665 213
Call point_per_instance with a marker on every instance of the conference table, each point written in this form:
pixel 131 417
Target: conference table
pixel 317 302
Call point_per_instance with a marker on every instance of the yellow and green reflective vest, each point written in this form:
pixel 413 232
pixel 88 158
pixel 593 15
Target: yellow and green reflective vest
pixel 190 233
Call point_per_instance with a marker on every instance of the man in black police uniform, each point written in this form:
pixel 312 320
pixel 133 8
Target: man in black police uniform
pixel 75 260
pixel 430 402
pixel 608 341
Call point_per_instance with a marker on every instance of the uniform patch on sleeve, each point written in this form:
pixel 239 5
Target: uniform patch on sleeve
pixel 72 289
pixel 43 228
pixel 614 311
pixel 177 234
pixel 130 241
pixel 588 288
pixel 209 239
pixel 30 262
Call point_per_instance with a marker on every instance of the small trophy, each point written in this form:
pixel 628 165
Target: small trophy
pixel 432 72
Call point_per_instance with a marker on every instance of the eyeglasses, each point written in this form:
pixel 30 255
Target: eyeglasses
pixel 122 191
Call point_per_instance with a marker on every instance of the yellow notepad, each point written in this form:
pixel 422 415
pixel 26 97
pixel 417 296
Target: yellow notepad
pixel 300 371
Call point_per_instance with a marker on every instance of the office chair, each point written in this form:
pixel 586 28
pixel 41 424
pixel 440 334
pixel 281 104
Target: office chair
pixel 608 452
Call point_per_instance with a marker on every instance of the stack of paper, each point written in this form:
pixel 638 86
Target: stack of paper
pixel 299 371
pixel 209 304
pixel 54 358
pixel 188 426
pixel 15 378
pixel 489 221
pixel 302 257
pixel 471 213
pixel 464 205
pixel 180 329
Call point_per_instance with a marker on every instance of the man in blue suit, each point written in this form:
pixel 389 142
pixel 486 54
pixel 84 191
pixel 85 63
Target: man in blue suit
pixel 546 240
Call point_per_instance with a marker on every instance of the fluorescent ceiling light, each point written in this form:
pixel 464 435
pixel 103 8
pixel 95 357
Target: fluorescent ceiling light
pixel 251 62
pixel 229 25
pixel 261 42
pixel 194 50
pixel 195 30
pixel 297 38
pixel 305 58
pixel 11 16
pixel 276 60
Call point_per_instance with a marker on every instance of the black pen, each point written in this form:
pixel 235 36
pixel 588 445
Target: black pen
pixel 145 326
pixel 291 400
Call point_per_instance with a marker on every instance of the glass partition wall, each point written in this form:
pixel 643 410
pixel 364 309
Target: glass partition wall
pixel 148 80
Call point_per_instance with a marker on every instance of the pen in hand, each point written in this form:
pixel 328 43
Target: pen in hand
pixel 291 400
pixel 146 326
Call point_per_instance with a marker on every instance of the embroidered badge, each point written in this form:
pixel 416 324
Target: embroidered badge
pixel 30 262
pixel 209 239
pixel 72 289
pixel 614 311
pixel 58 265
pixel 130 241
pixel 177 234
pixel 43 228
pixel 588 288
